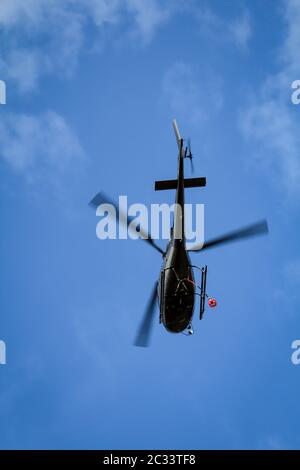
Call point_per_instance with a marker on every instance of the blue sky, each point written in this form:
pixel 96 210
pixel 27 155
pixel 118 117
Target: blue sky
pixel 92 88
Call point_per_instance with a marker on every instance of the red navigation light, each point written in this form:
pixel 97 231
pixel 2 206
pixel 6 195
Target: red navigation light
pixel 212 303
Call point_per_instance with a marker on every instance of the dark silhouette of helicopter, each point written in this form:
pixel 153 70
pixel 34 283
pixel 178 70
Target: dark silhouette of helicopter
pixel 176 289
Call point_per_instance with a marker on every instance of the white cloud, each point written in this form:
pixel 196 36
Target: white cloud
pixel 13 12
pixel 47 36
pixel 148 15
pixel 270 121
pixel 241 30
pixel 24 67
pixel 292 271
pixel 192 97
pixel 290 51
pixel 38 147
pixel 101 11
pixel 41 37
pixel 273 128
pixel 272 442
pixel 237 30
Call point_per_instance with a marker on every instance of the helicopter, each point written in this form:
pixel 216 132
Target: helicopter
pixel 176 289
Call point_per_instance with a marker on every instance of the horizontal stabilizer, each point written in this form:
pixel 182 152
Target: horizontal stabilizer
pixel 172 184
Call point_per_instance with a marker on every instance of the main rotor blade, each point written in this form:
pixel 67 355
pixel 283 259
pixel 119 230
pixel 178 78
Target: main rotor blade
pixel 259 228
pixel 143 336
pixel 101 198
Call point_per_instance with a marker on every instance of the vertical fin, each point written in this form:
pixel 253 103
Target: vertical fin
pixel 178 137
pixel 177 133
pixel 178 233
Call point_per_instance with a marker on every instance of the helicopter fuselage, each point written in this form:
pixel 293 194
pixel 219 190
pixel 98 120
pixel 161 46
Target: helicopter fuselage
pixel 176 283
pixel 176 288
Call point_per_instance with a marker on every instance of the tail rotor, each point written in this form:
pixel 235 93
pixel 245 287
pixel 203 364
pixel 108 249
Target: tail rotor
pixel 188 154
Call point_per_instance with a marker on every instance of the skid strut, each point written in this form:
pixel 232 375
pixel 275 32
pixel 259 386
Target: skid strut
pixel 203 291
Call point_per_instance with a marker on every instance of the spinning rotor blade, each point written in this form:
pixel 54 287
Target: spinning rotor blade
pixel 190 155
pixel 143 335
pixel 101 198
pixel 259 228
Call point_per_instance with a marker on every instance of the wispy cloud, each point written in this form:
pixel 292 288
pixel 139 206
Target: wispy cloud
pixel 24 67
pixel 237 31
pixel 47 36
pixel 290 51
pixel 270 120
pixel 286 293
pixel 193 97
pixel 292 271
pixel 271 443
pixel 241 30
pixel 148 16
pixel 38 147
